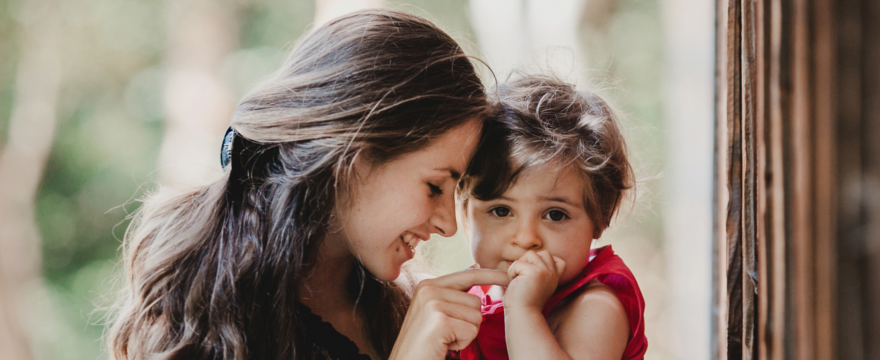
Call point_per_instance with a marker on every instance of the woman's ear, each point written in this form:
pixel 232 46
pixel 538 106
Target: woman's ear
pixel 349 171
pixel 597 233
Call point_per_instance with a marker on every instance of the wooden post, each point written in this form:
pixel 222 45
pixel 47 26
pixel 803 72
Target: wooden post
pixel 803 114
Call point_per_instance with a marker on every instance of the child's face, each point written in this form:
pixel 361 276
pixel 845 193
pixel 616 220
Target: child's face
pixel 543 210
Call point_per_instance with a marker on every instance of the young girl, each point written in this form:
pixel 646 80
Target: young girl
pixel 547 180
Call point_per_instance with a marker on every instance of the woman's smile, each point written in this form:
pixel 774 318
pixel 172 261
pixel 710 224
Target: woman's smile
pixel 399 204
pixel 410 241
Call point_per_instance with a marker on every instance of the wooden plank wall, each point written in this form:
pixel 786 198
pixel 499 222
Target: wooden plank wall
pixel 798 158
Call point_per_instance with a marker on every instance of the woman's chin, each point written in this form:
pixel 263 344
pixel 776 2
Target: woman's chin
pixel 387 274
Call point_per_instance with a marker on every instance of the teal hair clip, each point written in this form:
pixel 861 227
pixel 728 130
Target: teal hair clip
pixel 226 148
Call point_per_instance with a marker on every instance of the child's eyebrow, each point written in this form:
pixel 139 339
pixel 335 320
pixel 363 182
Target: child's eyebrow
pixel 561 199
pixel 505 198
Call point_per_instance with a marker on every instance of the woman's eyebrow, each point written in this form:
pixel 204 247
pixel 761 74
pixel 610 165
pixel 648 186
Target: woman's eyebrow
pixel 452 172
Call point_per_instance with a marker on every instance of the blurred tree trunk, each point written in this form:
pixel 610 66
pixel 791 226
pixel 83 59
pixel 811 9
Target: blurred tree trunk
pixel 24 157
pixel 198 104
pixel 520 34
pixel 326 10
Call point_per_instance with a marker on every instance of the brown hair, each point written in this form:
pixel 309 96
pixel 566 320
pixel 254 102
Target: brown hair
pixel 213 273
pixel 541 119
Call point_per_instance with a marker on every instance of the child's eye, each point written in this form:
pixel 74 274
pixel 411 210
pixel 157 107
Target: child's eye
pixel 435 190
pixel 556 215
pixel 500 211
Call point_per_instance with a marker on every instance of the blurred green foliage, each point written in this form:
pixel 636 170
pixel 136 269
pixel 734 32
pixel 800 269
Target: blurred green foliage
pixel 631 54
pixel 110 124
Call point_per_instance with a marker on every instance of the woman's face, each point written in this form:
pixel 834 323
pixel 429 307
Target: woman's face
pixel 395 206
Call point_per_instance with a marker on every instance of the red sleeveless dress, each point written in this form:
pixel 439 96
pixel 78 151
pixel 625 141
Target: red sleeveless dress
pixel 604 266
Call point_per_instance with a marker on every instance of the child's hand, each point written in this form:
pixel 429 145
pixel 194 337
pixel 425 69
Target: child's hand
pixel 533 278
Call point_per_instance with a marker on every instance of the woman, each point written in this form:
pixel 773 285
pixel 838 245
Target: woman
pixel 338 166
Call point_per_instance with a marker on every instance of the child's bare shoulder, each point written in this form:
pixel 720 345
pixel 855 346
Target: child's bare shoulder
pixel 592 315
pixel 598 295
pixel 589 299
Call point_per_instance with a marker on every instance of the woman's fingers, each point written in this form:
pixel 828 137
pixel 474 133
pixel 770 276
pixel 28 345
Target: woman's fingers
pixel 467 278
pixel 457 311
pixel 433 292
pixel 442 315
pixel 463 333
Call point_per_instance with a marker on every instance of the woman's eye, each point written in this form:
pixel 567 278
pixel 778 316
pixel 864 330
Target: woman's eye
pixel 556 215
pixel 500 211
pixel 435 190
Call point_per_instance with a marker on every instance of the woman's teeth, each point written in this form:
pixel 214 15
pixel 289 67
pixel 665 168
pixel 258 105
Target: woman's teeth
pixel 410 240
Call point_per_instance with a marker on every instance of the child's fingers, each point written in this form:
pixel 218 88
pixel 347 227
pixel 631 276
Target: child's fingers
pixel 531 262
pixel 548 261
pixel 560 265
pixel 533 258
pixel 512 270
pixel 518 267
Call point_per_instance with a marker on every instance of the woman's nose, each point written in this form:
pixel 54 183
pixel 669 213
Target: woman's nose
pixel 527 237
pixel 443 221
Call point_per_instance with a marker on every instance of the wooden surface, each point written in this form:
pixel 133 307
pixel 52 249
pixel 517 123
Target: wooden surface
pixel 734 181
pixel 749 28
pixel 799 93
pixel 721 196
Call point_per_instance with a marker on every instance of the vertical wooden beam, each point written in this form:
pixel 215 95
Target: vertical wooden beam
pixel 763 180
pixel 720 296
pixel 824 141
pixel 777 116
pixel 871 173
pixel 800 182
pixel 749 189
pixel 734 181
pixel 803 115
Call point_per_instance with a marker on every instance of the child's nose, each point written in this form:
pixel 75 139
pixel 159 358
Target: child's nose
pixel 528 237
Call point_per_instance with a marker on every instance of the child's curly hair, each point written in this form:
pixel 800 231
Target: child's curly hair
pixel 541 119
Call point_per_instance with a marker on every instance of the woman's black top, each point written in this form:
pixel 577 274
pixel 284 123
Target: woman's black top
pixel 329 344
pixel 326 342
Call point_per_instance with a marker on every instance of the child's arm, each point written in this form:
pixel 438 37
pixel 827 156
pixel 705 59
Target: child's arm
pixel 594 324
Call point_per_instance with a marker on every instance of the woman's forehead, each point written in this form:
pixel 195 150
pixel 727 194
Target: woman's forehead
pixel 450 152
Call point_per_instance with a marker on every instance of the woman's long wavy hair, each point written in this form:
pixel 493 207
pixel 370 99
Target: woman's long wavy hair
pixel 214 272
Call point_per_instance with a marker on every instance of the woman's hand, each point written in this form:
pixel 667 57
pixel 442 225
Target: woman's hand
pixel 533 278
pixel 442 316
